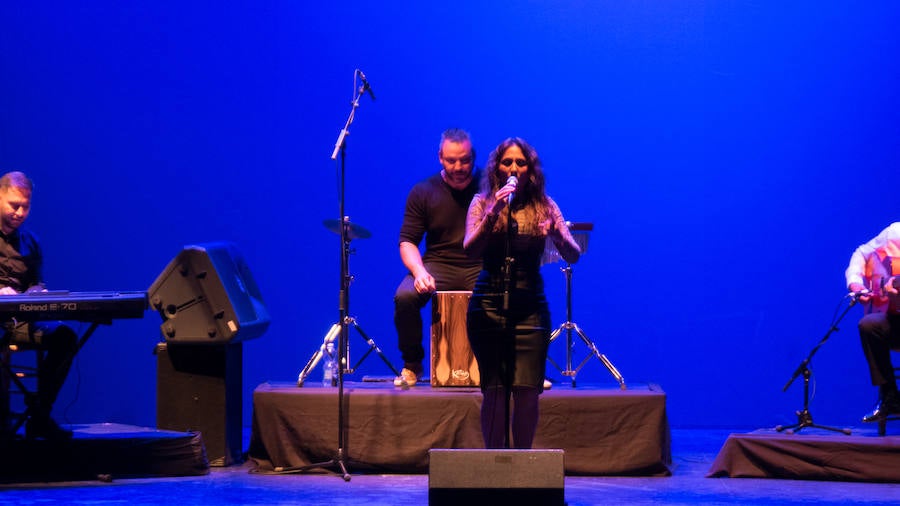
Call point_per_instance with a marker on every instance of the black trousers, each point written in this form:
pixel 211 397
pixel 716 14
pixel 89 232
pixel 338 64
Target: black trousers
pixel 59 344
pixel 879 334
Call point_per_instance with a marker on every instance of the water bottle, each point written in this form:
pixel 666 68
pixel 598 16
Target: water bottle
pixel 335 363
pixel 329 368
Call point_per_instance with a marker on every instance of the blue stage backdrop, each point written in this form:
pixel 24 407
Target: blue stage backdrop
pixel 731 155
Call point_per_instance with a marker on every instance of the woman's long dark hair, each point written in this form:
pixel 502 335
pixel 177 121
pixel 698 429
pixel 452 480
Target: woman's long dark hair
pixel 529 193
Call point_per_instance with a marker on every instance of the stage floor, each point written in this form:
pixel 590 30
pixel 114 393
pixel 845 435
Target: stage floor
pixel 693 453
pixel 603 430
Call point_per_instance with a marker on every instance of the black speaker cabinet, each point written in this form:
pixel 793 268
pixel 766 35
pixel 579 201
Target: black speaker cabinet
pixel 207 295
pixel 474 477
pixel 198 389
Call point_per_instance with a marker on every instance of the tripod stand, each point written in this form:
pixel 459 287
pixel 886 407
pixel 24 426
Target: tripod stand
pixel 804 417
pixel 353 232
pixel 579 232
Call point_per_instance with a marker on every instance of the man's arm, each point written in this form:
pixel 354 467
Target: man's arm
pixel 412 259
pixel 856 272
pixel 856 269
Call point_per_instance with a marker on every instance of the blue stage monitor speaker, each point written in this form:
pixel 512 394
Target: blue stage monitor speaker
pixel 207 295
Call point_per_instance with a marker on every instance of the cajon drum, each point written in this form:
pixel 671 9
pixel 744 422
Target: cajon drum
pixel 452 361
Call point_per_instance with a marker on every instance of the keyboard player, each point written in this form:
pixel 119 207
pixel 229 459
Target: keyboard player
pixel 21 262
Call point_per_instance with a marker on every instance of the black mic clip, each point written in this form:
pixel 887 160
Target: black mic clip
pixel 854 296
pixel 366 87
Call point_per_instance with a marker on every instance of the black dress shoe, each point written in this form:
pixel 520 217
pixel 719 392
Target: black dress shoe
pixel 884 408
pixel 45 428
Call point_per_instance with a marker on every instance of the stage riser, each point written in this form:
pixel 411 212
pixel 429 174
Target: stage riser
pixel 603 431
pixel 811 455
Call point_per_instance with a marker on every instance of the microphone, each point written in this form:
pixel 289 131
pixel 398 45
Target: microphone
pixel 515 182
pixel 366 87
pixel 856 295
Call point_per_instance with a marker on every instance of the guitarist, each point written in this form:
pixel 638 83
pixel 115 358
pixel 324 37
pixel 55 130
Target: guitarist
pixel 870 277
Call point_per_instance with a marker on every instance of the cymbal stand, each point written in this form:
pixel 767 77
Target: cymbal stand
pixel 804 417
pixel 568 326
pixel 338 328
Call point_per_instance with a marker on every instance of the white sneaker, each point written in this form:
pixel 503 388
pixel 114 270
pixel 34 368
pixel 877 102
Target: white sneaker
pixel 406 378
pixel 547 384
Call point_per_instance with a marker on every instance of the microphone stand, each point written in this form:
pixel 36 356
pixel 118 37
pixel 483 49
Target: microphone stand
pixel 344 319
pixel 509 330
pixel 804 417
pixel 509 262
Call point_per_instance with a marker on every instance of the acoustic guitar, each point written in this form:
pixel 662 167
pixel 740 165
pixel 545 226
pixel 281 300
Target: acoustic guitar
pixel 878 272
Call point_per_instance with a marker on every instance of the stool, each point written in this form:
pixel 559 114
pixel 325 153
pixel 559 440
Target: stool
pixel 19 379
pixel 452 360
pixel 882 424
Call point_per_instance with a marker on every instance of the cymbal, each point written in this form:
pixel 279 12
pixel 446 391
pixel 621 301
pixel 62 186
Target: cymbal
pixel 354 231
